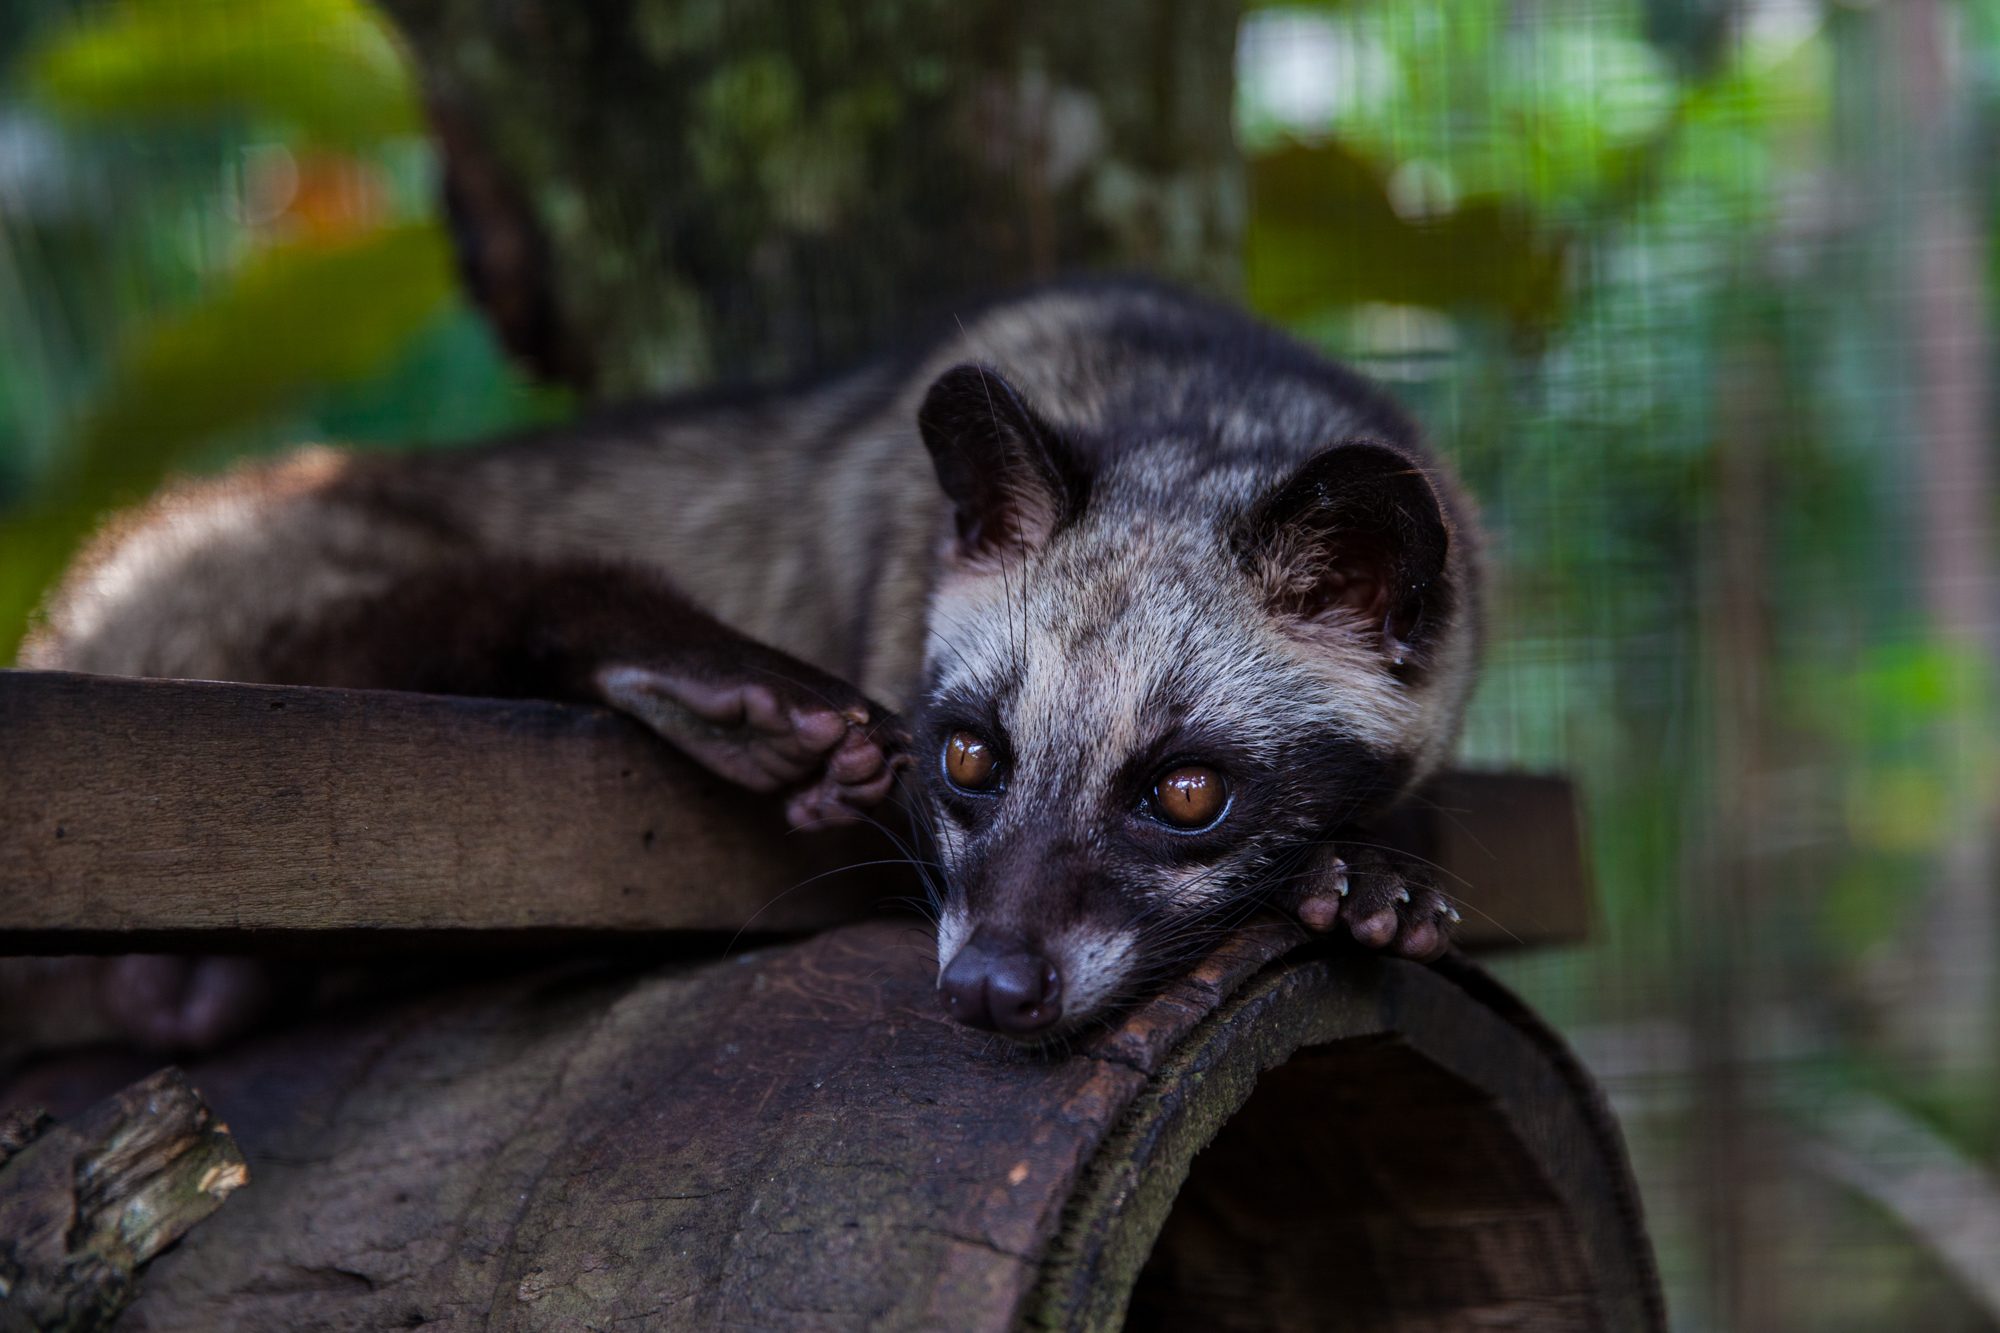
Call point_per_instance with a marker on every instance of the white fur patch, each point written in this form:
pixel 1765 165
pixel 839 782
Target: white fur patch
pixel 954 929
pixel 1096 968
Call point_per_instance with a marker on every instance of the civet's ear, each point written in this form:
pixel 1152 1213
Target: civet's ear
pixel 1354 542
pixel 1011 479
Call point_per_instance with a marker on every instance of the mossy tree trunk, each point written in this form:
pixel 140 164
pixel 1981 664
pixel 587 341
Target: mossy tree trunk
pixel 652 194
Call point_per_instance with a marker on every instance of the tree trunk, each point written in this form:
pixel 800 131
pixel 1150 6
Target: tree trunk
pixel 651 194
pixel 1949 1017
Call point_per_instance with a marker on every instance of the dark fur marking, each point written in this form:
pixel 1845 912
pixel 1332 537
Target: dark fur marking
pixel 1062 864
pixel 1012 478
pixel 1359 529
pixel 1229 352
pixel 938 720
pixel 509 629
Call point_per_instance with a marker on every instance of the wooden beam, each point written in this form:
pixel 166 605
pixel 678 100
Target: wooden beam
pixel 142 815
pixel 1510 847
pixel 152 813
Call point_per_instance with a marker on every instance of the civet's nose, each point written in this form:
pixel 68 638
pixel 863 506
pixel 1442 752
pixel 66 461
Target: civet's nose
pixel 1000 984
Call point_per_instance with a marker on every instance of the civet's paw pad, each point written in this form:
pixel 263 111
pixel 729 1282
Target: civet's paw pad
pixel 1386 901
pixel 780 726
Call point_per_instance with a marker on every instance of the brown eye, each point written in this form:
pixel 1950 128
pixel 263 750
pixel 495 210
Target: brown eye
pixel 1191 797
pixel 969 761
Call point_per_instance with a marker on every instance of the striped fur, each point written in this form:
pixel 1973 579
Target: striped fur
pixel 1144 624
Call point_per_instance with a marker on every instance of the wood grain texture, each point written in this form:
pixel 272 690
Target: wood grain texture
pixel 152 814
pixel 796 1139
pixel 143 813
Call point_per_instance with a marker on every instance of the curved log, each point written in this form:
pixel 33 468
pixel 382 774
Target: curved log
pixel 796 1139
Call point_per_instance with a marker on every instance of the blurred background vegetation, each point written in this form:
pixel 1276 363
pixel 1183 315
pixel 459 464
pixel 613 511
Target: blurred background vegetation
pixel 1696 292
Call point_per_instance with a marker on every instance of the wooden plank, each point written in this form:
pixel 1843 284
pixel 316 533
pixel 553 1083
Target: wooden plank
pixel 150 813
pixel 154 814
pixel 1511 848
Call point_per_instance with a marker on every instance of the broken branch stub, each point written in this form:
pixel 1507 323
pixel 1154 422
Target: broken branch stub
pixel 84 1205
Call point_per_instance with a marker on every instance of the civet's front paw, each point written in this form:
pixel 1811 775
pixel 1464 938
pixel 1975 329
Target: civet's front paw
pixel 1386 900
pixel 780 725
pixel 185 1005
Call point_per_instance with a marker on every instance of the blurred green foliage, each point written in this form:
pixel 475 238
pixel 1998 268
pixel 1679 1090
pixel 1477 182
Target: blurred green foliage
pixel 236 249
pixel 1565 179
pixel 291 318
pixel 1324 233
pixel 330 71
pixel 1694 220
pixel 1915 723
pixel 1546 112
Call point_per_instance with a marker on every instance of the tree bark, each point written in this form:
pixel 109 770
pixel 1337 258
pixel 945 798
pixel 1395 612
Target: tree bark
pixel 85 1205
pixel 652 194
pixel 1949 1017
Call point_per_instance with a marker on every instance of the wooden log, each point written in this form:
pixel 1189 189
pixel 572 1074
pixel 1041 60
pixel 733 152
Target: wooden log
pixel 84 1205
pixel 796 1139
pixel 140 815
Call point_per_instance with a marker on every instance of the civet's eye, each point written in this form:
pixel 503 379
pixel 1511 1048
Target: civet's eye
pixel 1191 796
pixel 969 761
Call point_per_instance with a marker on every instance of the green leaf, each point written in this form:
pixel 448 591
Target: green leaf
pixel 334 69
pixel 295 321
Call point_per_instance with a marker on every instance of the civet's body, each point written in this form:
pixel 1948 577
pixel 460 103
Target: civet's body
pixel 1166 607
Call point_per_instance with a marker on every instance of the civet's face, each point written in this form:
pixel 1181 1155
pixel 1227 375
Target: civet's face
pixel 1135 722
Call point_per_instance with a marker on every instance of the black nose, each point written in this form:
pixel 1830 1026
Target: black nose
pixel 1000 984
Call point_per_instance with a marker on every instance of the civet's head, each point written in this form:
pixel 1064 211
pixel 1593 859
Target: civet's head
pixel 1159 674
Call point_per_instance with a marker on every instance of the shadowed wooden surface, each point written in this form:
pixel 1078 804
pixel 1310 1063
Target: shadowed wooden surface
pixel 140 815
pixel 796 1138
pixel 1511 849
